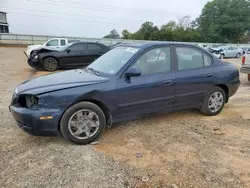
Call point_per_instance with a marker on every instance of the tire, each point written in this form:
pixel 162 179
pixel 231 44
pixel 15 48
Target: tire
pixel 70 117
pixel 50 64
pixel 205 106
pixel 248 77
pixel 238 55
pixel 222 56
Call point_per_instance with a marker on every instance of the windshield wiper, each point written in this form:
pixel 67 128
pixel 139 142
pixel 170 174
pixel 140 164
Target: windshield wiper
pixel 94 71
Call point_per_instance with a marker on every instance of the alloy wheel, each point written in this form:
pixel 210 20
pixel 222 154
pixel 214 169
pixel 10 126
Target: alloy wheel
pixel 50 64
pixel 83 124
pixel 215 101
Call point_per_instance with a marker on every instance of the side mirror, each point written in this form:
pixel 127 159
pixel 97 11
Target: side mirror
pixel 133 71
pixel 68 50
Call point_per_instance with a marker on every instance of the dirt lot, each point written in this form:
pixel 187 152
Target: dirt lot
pixel 184 149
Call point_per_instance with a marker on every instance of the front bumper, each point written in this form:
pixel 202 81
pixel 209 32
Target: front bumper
pixel 245 70
pixel 30 122
pixel 217 55
pixel 34 63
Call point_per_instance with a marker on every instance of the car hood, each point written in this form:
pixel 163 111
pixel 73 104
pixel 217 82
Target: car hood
pixel 47 49
pixel 58 81
pixel 34 46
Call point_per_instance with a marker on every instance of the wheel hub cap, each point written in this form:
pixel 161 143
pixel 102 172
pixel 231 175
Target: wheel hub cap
pixel 83 124
pixel 215 102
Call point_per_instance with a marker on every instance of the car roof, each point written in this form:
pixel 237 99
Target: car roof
pixel 152 44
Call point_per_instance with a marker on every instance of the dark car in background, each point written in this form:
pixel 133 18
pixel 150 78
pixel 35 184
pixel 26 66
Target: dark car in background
pixel 128 82
pixel 73 55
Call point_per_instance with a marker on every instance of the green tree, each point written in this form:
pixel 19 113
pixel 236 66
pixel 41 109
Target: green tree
pixel 147 32
pixel 113 35
pixel 224 20
pixel 126 34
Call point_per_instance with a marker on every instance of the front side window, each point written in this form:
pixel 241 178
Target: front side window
pixel 94 47
pixel 112 61
pixel 154 61
pixel 52 43
pixel 190 58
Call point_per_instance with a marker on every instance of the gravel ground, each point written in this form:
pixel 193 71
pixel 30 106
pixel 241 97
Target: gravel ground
pixel 184 149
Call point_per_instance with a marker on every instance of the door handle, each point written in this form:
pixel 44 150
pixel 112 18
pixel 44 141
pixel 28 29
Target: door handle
pixel 167 82
pixel 209 76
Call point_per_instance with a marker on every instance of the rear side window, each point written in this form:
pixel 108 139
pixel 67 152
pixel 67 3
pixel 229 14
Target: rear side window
pixel 78 47
pixel 94 47
pixel 190 58
pixel 63 42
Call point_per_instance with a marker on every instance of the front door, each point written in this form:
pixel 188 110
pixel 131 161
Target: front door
pixel 194 77
pixel 74 55
pixel 153 91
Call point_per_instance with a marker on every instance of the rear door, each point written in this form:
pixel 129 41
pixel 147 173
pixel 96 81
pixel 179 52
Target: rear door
pixel 230 52
pixel 235 51
pixel 74 55
pixel 62 42
pixel 93 51
pixel 194 76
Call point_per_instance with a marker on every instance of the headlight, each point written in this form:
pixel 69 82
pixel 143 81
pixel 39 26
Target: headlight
pixel 31 101
pixel 16 91
pixel 36 57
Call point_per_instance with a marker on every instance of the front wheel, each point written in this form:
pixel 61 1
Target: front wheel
pixel 214 102
pixel 50 64
pixel 248 77
pixel 83 123
pixel 222 56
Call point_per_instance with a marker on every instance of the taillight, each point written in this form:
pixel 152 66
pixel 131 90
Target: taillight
pixel 243 60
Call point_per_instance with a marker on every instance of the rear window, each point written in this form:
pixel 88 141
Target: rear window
pixel 190 58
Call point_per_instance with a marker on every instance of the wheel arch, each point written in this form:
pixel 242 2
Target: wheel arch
pixel 226 90
pixel 100 104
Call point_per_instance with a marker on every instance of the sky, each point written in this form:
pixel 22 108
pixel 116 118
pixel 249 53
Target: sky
pixel 92 18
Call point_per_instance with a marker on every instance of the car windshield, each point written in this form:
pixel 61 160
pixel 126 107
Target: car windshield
pixel 114 60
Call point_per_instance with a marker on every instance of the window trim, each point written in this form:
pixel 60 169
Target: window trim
pixel 149 49
pixel 192 47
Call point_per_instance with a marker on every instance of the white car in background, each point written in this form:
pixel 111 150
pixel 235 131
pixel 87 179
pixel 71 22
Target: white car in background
pixel 245 65
pixel 227 52
pixel 52 44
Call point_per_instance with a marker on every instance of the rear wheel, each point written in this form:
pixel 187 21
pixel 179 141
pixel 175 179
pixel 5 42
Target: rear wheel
pixel 83 123
pixel 50 64
pixel 238 55
pixel 222 56
pixel 214 102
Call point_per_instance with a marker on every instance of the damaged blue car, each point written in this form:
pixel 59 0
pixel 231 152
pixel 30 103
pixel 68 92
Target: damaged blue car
pixel 129 82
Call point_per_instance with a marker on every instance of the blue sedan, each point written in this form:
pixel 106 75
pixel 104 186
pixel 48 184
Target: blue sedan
pixel 130 81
